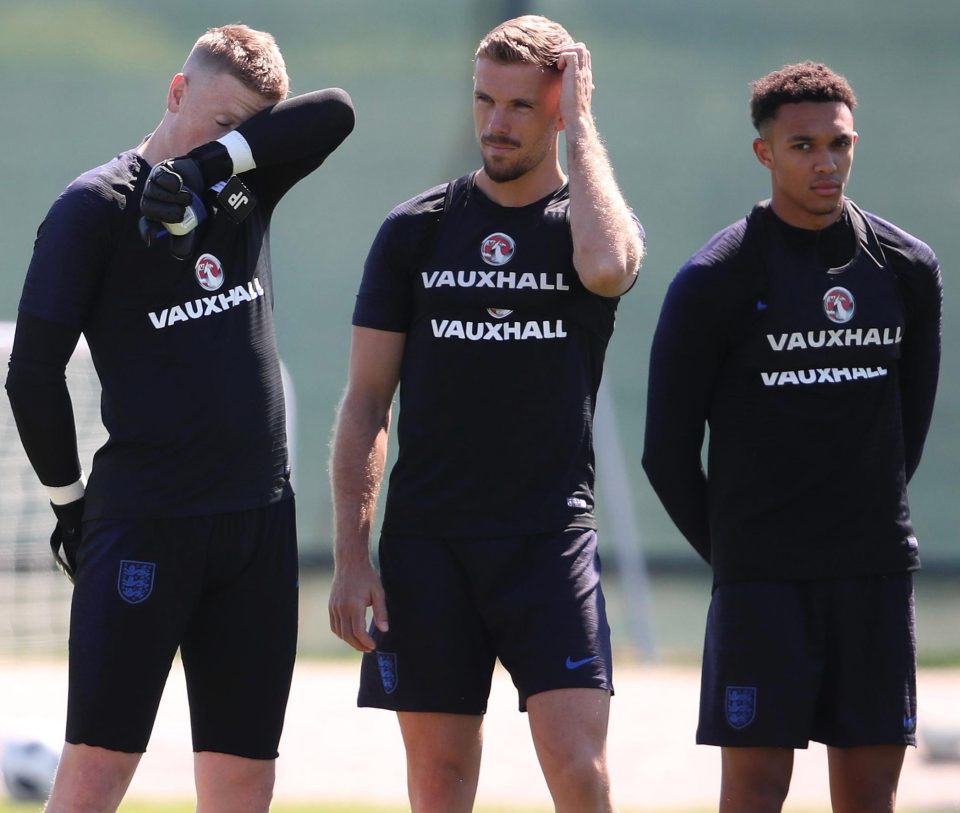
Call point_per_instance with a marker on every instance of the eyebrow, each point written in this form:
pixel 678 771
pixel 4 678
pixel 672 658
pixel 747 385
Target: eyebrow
pixel 801 137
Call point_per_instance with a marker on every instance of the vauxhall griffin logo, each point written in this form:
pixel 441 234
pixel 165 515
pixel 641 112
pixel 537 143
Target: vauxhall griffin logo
pixel 838 304
pixel 497 249
pixel 209 272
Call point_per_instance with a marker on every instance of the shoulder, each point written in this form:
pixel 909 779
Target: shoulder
pixel 407 228
pixel 420 206
pixel 914 264
pixel 718 285
pixel 100 192
pixel 409 221
pixel 111 182
pixel 902 246
pixel 717 260
pixel 101 199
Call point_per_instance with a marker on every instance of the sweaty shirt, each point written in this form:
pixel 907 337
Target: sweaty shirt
pixel 813 359
pixel 185 350
pixel 503 357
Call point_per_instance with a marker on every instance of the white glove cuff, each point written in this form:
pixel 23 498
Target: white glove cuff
pixel 63 495
pixel 240 152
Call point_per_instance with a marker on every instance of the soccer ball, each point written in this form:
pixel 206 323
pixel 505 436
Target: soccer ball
pixel 28 769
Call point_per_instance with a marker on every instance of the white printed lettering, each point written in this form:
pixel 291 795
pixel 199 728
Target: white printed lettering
pixel 177 315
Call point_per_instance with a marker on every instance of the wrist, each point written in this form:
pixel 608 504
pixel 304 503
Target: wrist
pixel 63 495
pixel 212 161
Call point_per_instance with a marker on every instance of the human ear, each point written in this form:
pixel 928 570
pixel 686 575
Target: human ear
pixel 175 92
pixel 761 148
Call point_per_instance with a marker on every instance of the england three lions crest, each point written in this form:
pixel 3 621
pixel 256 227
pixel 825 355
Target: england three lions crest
pixel 740 708
pixel 135 581
pixel 387 666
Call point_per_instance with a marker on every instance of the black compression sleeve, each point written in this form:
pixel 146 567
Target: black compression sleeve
pixel 37 388
pixel 309 126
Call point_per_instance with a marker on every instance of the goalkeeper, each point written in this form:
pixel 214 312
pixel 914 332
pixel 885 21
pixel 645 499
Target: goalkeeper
pixel 184 536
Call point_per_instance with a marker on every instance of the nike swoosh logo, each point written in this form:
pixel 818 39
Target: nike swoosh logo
pixel 572 664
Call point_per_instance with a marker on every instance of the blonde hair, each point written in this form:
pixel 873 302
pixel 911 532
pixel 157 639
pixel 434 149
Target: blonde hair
pixel 531 39
pixel 251 56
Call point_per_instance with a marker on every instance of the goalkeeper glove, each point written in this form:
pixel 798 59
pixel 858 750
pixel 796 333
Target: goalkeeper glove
pixel 65 539
pixel 171 205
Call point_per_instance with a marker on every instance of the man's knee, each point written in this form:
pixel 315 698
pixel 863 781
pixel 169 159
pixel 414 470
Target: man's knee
pixel 755 780
pixel 91 779
pixel 232 784
pixel 443 760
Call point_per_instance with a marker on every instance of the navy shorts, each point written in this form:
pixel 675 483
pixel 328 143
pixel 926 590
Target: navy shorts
pixel 832 661
pixel 223 589
pixel 455 606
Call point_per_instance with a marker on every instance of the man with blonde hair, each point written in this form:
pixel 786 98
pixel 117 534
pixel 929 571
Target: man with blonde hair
pixel 184 537
pixel 490 300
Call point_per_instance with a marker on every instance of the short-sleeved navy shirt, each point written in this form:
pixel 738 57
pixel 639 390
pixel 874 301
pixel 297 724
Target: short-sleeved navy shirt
pixel 503 357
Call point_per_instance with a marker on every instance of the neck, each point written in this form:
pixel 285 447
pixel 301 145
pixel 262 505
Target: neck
pixel 154 147
pixel 807 220
pixel 528 188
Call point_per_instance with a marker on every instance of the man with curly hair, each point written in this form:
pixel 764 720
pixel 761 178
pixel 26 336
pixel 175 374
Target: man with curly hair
pixel 808 336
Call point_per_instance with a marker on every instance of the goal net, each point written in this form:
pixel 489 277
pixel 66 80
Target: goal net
pixel 34 595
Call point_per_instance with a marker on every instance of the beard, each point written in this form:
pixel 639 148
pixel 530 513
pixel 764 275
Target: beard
pixel 506 172
pixel 506 168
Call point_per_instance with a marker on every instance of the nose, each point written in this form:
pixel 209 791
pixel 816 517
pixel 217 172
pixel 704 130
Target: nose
pixel 498 121
pixel 826 161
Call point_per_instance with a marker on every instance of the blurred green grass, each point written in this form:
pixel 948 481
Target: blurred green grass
pixel 188 807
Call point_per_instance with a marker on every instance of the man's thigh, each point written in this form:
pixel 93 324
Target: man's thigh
pixel 869 693
pixel 240 642
pixel 762 667
pixel 136 585
pixel 437 656
pixel 456 606
pixel 546 612
pixel 224 588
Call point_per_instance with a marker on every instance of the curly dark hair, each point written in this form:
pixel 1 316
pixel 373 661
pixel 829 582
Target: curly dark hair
pixel 802 82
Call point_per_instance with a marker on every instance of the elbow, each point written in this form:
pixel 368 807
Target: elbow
pixel 609 280
pixel 341 114
pixel 612 274
pixel 652 466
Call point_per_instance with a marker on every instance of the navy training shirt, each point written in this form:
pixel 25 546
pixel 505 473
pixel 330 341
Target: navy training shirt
pixel 813 358
pixel 503 358
pixel 185 350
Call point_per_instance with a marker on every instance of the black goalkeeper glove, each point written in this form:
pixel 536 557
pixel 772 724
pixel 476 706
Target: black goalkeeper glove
pixel 171 205
pixel 65 539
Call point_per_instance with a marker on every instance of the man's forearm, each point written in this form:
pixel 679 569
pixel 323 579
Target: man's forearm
pixel 607 249
pixel 312 124
pixel 356 471
pixel 41 404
